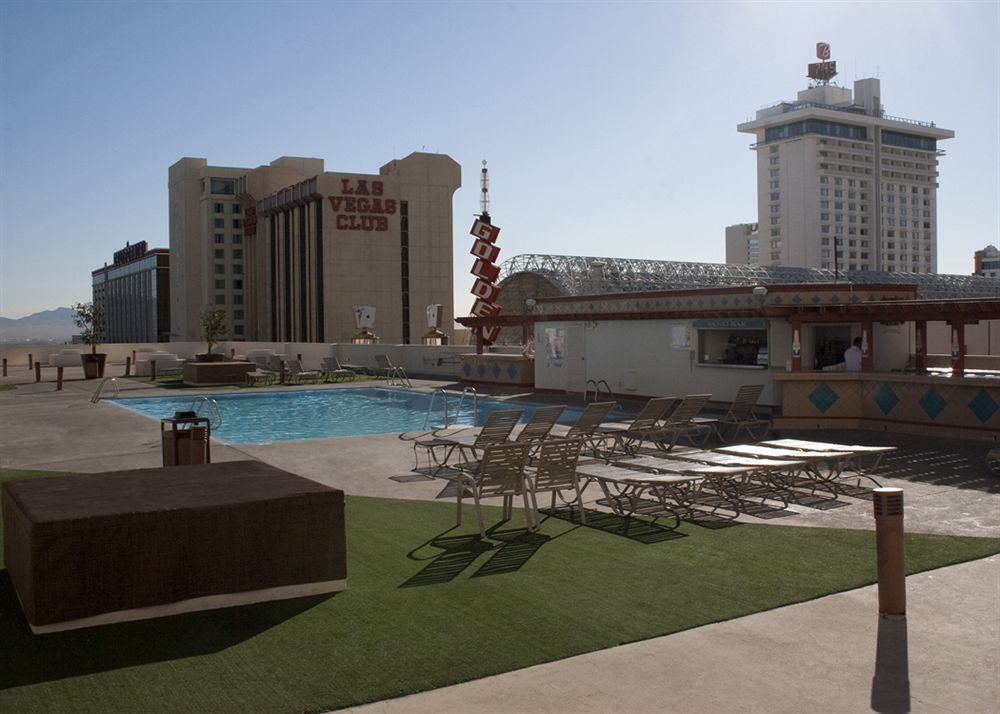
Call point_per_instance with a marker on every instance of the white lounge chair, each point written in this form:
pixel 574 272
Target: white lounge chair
pixel 500 473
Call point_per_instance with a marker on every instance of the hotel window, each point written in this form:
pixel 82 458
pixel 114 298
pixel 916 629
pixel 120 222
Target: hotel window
pixel 824 192
pixel 775 195
pixel 220 253
pixel 237 329
pixel 237 208
pixel 775 209
pixel 220 299
pixel 825 240
pixel 220 222
pixel 220 238
pixel 238 253
pixel 237 268
pixel 838 182
pixel 220 284
pixel 237 223
pixel 237 314
pixel 219 208
pixel 220 269
pixel 237 285
pixel 237 299
pixel 774 160
pixel 237 237
pixel 825 229
pixel 775 172
pixel 775 220
pixel 776 231
pixel 225 187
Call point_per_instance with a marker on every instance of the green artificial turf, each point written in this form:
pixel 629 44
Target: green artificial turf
pixel 429 604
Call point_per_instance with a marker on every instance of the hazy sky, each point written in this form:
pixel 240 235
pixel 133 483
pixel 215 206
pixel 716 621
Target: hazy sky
pixel 610 128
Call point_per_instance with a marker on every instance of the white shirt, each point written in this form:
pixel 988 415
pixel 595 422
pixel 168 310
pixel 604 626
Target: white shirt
pixel 852 359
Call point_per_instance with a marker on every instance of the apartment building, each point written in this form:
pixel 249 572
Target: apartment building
pixel 134 292
pixel 288 250
pixel 842 185
pixel 987 262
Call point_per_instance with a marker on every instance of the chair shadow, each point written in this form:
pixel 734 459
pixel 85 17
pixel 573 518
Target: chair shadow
pixel 638 529
pixel 31 659
pixel 460 551
pixel 891 682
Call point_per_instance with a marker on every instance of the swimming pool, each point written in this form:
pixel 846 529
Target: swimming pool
pixel 264 417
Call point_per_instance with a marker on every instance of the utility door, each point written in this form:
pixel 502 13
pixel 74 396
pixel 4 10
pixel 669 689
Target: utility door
pixel 576 358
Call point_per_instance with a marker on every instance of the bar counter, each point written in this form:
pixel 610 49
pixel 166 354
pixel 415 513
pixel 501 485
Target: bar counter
pixel 961 407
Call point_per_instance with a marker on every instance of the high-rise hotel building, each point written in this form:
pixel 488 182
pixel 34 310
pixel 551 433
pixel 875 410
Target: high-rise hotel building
pixel 288 250
pixel 841 185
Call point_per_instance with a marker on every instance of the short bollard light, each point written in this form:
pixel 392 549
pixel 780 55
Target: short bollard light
pixel 888 503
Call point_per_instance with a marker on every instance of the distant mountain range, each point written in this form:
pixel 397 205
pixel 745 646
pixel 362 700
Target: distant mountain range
pixel 46 326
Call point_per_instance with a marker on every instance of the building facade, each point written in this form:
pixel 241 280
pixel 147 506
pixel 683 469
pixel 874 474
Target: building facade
pixel 987 262
pixel 843 186
pixel 743 244
pixel 134 292
pixel 289 251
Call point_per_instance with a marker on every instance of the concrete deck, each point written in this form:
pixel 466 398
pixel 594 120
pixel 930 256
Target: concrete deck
pixel 829 655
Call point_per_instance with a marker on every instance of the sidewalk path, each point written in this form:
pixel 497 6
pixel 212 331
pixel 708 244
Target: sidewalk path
pixel 820 656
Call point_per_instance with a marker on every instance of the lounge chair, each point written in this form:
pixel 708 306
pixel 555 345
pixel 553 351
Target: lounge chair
pixel 585 427
pixel 394 374
pixel 808 463
pixel 333 371
pixel 654 490
pixel 297 375
pixel 440 449
pixel 556 472
pixel 851 455
pixel 539 426
pixel 627 437
pixel 741 414
pixel 500 473
pixel 683 421
pixel 260 377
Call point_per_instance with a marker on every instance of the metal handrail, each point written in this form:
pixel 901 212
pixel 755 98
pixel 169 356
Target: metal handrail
pixel 597 389
pixel 475 404
pixel 430 407
pixel 100 387
pixel 199 402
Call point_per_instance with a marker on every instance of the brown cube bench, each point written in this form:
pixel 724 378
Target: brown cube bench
pixel 91 549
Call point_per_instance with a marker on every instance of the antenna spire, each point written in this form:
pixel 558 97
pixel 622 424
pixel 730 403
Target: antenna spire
pixel 484 198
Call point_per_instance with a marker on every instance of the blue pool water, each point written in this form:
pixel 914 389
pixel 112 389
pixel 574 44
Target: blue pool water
pixel 264 417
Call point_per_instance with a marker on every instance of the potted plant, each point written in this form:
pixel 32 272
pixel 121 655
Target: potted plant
pixel 213 329
pixel 93 324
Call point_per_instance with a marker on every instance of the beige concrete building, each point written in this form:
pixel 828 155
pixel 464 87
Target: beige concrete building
pixel 843 186
pixel 987 262
pixel 288 250
pixel 743 244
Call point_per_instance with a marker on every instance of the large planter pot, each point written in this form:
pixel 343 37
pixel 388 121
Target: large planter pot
pixel 93 365
pixel 210 357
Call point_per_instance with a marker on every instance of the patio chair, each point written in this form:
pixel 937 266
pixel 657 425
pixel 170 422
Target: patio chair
pixel 627 437
pixel 500 473
pixel 333 371
pixel 539 426
pixel 683 421
pixel 394 374
pixel 297 375
pixel 440 449
pixel 741 414
pixel 585 427
pixel 556 472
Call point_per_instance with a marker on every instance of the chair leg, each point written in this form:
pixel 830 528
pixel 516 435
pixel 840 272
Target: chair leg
pixel 529 515
pixel 479 514
pixel 579 504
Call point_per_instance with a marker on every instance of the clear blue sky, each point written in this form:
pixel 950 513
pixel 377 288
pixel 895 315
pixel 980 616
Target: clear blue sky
pixel 610 128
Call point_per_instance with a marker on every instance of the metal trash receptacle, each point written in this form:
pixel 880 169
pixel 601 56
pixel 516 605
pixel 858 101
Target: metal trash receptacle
pixel 186 439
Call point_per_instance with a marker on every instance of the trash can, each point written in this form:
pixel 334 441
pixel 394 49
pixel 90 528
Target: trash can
pixel 186 439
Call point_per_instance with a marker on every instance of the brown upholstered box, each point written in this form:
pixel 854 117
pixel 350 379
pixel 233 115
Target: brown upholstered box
pixel 87 549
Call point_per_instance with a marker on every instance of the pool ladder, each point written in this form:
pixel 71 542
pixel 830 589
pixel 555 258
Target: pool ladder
pixel 100 388
pixel 212 406
pixel 597 389
pixel 458 411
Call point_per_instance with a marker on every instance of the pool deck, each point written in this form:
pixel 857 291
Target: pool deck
pixel 829 655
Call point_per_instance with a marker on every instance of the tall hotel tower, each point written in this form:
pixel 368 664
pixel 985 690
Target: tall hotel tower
pixel 840 184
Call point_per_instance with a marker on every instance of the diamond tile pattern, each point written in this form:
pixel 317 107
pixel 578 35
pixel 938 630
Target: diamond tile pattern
pixel 511 371
pixel 886 399
pixel 823 397
pixel 983 406
pixel 932 403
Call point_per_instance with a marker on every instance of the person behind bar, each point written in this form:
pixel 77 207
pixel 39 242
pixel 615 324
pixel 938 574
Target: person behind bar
pixel 852 356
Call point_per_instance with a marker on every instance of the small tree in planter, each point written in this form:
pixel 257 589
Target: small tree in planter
pixel 213 329
pixel 93 324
